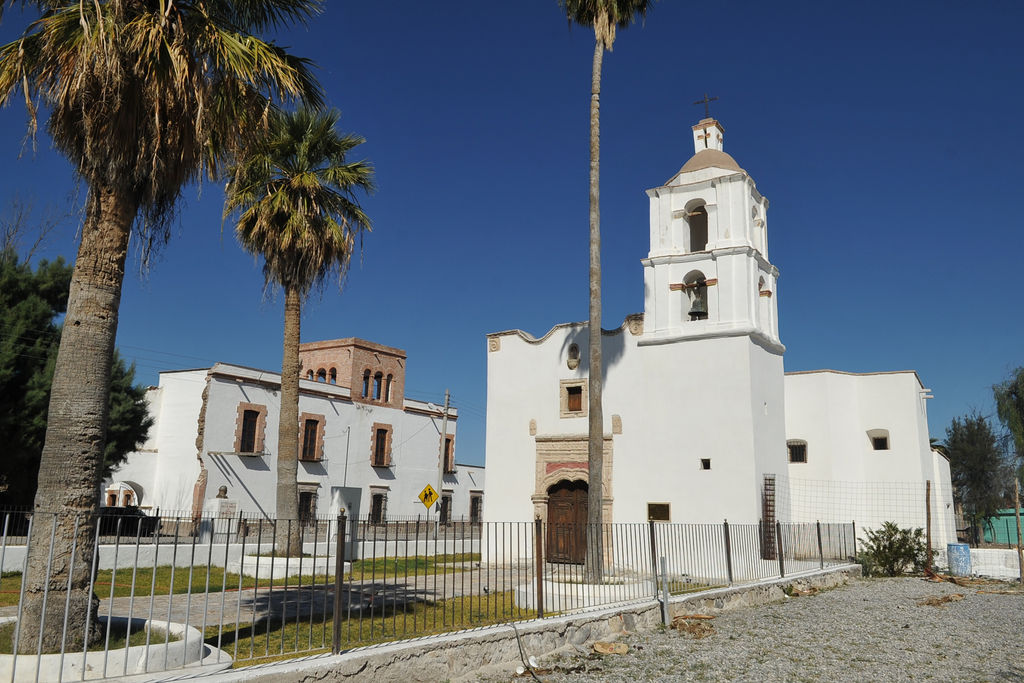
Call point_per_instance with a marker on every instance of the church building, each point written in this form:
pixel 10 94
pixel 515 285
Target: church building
pixel 697 407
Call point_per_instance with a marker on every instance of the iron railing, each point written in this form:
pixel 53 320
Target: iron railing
pixel 216 587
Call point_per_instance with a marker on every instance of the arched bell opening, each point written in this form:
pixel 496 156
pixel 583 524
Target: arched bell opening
pixel 696 287
pixel 697 220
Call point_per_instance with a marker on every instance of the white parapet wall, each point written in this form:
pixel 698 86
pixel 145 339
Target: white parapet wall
pixel 185 648
pixel 229 554
pixel 994 563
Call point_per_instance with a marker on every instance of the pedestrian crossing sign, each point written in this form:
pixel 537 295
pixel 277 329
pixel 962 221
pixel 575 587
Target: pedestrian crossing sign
pixel 428 496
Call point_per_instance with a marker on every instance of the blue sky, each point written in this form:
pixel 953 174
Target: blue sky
pixel 887 137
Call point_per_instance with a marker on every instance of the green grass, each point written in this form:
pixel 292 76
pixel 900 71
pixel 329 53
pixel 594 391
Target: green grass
pixel 269 641
pixel 10 586
pixel 10 582
pixel 418 565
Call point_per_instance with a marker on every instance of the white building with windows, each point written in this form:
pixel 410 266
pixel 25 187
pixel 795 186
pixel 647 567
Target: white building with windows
pixel 364 446
pixel 859 449
pixel 701 422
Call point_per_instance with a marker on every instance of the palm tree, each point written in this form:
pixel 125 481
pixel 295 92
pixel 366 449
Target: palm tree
pixel 143 97
pixel 293 194
pixel 604 16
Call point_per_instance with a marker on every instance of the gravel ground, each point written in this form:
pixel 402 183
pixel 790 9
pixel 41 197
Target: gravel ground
pixel 869 630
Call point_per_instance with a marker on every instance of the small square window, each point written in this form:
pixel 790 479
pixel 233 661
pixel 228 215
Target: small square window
pixel 575 396
pixel 797 451
pixel 705 463
pixel 572 400
pixel 658 512
pixel 880 443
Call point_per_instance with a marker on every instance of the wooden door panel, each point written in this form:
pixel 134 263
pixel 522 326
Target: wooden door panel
pixel 567 517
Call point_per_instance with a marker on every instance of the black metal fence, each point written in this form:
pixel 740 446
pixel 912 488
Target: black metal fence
pixel 181 592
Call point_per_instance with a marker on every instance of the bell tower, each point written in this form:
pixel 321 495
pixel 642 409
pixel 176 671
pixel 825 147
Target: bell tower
pixel 707 274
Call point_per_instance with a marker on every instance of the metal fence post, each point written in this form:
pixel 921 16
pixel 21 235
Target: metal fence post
pixel 654 556
pixel 664 591
pixel 728 550
pixel 779 549
pixel 339 571
pixel 821 553
pixel 853 525
pixel 538 553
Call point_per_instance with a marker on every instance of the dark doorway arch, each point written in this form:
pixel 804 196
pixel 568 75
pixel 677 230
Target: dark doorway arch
pixel 567 522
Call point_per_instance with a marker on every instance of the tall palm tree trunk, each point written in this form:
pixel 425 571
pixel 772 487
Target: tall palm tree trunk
pixel 289 541
pixel 72 458
pixel 594 567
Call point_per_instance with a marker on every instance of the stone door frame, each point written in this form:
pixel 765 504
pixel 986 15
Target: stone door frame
pixel 565 457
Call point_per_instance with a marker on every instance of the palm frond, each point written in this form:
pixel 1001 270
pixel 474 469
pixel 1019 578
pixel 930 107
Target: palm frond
pixel 605 16
pixel 146 96
pixel 293 197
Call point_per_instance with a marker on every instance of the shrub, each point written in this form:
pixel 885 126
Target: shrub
pixel 891 551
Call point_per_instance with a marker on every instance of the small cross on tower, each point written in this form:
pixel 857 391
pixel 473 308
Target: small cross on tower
pixel 706 102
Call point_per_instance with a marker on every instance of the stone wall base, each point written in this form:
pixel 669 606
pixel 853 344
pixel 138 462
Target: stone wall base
pixel 494 650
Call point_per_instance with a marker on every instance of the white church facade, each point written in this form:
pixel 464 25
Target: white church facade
pixel 363 445
pixel 701 422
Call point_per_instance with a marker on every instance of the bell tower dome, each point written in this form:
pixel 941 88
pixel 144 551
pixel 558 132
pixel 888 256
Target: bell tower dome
pixel 707 273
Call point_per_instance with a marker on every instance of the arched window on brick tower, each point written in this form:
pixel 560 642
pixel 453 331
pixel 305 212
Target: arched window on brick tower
pixel 387 388
pixel 333 376
pixel 366 383
pixel 378 380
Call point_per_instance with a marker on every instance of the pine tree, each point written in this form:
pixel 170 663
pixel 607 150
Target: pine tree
pixel 977 467
pixel 30 302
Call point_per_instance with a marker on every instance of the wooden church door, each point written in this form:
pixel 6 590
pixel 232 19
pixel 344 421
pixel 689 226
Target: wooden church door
pixel 567 519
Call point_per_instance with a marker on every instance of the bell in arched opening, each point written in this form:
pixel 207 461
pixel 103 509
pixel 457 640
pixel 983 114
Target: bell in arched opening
pixel 699 301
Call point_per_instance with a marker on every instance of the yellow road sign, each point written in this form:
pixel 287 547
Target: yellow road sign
pixel 428 496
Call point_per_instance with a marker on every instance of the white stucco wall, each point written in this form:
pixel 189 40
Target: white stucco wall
pixel 167 467
pixel 844 476
pixel 677 403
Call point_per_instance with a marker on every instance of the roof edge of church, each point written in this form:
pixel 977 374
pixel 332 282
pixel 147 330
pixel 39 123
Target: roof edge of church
pixel 529 338
pixel 857 374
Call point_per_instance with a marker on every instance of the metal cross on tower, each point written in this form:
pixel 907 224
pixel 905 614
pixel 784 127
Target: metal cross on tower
pixel 706 101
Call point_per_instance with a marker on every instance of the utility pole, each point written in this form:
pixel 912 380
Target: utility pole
pixel 1016 512
pixel 442 454
pixel 348 435
pixel 928 522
